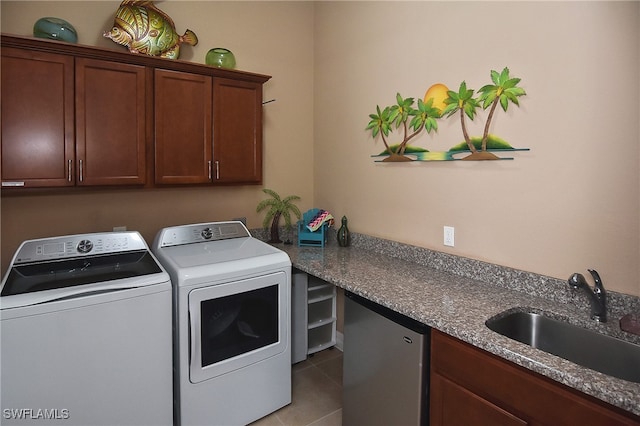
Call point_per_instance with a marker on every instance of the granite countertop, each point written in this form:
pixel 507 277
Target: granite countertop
pixel 457 295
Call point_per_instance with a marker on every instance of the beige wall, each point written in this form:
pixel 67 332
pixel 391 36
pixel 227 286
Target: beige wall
pixel 273 38
pixel 571 203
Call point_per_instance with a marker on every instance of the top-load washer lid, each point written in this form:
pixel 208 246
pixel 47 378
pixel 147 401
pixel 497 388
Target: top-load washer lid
pixel 66 266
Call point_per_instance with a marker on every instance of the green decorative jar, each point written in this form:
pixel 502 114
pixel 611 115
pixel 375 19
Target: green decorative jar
pixel 55 29
pixel 344 236
pixel 221 58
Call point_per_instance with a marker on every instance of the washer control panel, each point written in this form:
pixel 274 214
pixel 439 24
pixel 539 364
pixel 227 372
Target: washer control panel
pixel 78 245
pixel 200 232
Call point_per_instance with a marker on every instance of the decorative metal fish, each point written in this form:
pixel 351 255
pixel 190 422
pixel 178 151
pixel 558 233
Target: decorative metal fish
pixel 144 28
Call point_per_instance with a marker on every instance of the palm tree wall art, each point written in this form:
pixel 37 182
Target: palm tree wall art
pixel 440 102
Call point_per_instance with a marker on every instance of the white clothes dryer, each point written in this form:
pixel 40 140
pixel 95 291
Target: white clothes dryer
pixel 231 296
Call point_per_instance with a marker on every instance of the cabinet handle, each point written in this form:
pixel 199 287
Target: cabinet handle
pixel 69 170
pixel 217 170
pixel 209 165
pixel 81 171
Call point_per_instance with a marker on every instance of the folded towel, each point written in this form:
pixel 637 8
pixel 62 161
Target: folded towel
pixel 320 219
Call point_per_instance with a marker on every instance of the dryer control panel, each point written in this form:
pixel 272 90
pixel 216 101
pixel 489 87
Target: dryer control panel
pixel 196 233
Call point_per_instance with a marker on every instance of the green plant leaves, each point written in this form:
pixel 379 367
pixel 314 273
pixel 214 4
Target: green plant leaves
pixel 504 90
pixel 276 205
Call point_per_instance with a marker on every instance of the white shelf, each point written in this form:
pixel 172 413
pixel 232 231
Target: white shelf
pixel 321 338
pixel 320 298
pixel 320 323
pixel 321 315
pixel 321 347
pixel 319 285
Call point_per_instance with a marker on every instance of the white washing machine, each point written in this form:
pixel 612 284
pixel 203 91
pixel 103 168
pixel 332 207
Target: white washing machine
pixel 232 356
pixel 86 333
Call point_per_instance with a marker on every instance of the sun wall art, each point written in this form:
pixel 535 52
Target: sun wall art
pixel 410 119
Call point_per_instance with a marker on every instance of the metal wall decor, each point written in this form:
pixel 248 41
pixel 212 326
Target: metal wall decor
pixel 410 119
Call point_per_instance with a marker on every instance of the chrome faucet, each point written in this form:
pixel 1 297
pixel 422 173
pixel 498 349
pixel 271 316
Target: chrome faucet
pixel 597 296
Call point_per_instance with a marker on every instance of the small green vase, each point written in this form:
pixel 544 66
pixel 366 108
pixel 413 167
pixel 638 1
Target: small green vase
pixel 55 29
pixel 344 236
pixel 221 58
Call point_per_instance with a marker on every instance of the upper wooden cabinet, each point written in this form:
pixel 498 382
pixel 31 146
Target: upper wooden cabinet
pixel 183 128
pixel 207 129
pixel 38 140
pixel 110 123
pixel 71 121
pixel 76 115
pixel 237 131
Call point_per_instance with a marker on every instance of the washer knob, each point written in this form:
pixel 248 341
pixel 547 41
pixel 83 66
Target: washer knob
pixel 207 233
pixel 84 246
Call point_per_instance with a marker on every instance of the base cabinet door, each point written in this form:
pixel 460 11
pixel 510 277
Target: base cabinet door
pixel 452 404
pixel 470 386
pixel 37 119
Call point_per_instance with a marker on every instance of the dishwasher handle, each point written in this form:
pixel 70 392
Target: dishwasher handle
pixel 390 314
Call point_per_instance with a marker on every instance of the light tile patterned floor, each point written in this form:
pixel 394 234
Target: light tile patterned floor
pixel 316 393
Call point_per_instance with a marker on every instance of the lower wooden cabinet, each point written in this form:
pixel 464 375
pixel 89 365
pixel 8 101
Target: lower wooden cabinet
pixel 470 386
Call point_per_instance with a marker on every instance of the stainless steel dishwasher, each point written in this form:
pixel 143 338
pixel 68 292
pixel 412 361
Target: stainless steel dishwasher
pixel 386 366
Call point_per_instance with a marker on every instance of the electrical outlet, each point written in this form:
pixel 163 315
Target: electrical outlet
pixel 449 236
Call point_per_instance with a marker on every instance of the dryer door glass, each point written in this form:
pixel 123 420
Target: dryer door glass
pixel 236 324
pixel 243 322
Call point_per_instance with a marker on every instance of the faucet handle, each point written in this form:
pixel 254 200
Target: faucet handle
pixel 577 280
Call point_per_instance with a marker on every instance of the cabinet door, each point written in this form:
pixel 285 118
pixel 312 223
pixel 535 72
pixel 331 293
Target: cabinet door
pixel 467 382
pixel 452 404
pixel 110 123
pixel 183 111
pixel 37 119
pixel 237 140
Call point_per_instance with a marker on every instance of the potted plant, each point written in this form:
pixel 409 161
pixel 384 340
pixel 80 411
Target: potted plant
pixel 277 207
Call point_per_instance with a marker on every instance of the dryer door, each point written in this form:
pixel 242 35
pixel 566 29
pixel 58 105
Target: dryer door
pixel 236 324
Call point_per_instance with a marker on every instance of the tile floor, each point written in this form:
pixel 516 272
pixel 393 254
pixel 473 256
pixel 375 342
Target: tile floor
pixel 316 393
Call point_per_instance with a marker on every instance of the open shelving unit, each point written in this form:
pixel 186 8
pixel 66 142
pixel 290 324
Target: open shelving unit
pixel 321 315
pixel 313 315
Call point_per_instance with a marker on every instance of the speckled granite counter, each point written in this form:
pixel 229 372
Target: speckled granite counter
pixel 457 295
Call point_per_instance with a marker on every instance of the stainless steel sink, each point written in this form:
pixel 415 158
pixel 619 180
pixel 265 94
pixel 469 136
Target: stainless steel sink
pixel 588 348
